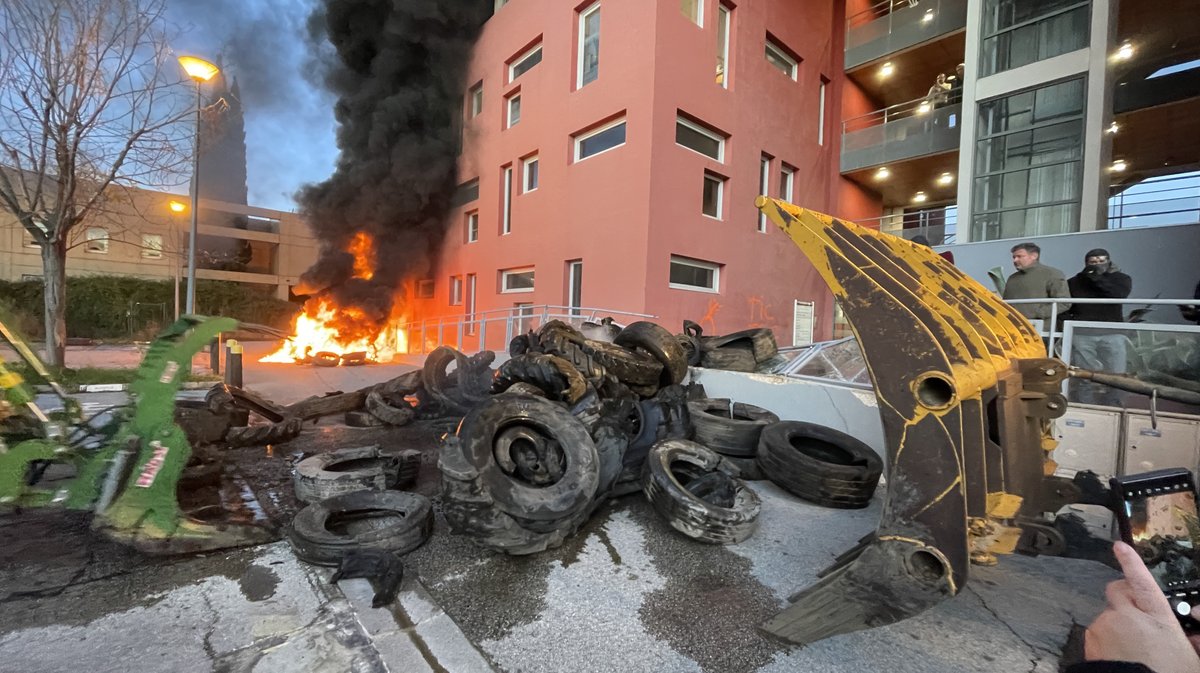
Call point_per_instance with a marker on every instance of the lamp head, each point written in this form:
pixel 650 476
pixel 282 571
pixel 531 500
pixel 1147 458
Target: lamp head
pixel 197 68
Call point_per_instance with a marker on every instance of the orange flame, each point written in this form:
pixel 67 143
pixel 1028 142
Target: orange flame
pixel 363 249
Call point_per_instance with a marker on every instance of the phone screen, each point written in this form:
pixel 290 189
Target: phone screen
pixel 1165 526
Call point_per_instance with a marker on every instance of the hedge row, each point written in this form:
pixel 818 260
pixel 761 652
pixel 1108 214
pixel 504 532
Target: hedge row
pixel 116 307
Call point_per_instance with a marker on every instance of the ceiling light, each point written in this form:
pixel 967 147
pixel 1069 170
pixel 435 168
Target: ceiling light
pixel 923 107
pixel 1112 128
pixel 1125 52
pixel 945 179
pixel 883 173
pixel 928 16
pixel 1118 166
pixel 920 197
pixel 887 69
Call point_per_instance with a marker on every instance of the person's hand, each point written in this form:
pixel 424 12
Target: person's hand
pixel 1138 625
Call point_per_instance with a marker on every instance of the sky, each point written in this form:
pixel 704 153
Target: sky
pixel 290 129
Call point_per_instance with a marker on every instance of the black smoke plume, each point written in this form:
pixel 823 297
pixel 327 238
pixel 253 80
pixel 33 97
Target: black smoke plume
pixel 399 78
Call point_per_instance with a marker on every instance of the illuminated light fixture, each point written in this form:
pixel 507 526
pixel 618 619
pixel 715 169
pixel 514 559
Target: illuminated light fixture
pixel 923 107
pixel 197 68
pixel 1118 166
pixel 883 173
pixel 1124 52
pixel 920 197
pixel 928 16
pixel 177 206
pixel 887 69
pixel 945 179
pixel 1112 128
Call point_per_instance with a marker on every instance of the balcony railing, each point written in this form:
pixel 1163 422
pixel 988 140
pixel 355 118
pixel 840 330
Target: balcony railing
pixel 494 329
pixel 892 25
pixel 1157 202
pixel 902 131
pixel 938 226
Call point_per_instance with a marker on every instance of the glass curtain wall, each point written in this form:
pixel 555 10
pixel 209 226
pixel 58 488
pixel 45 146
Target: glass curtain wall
pixel 1028 163
pixel 1020 32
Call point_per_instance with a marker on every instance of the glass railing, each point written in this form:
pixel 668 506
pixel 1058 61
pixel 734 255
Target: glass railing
pixel 891 25
pixel 903 131
pixel 1157 202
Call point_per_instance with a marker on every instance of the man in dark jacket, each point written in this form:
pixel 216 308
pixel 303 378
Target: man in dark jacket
pixel 1092 348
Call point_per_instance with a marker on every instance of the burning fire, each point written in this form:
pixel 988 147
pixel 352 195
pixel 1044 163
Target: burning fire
pixel 327 327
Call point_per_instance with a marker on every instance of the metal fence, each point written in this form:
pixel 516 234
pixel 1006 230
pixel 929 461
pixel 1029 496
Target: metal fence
pixel 1156 202
pixel 494 329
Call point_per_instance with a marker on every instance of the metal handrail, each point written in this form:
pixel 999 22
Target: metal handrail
pixel 514 320
pixel 948 231
pixel 911 108
pixel 876 11
pixel 1050 331
pixel 1143 198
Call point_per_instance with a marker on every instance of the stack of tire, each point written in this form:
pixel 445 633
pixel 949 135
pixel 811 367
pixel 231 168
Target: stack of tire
pixel 731 429
pixel 569 424
pixel 744 351
pixel 353 505
pixel 819 464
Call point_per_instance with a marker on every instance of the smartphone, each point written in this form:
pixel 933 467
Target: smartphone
pixel 1158 516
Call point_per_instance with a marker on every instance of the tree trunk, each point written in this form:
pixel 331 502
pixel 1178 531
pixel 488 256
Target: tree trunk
pixel 54 274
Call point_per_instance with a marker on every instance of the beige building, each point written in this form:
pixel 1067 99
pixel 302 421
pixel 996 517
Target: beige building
pixel 142 235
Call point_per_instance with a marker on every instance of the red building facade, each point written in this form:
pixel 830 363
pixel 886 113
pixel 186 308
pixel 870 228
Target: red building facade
pixel 612 152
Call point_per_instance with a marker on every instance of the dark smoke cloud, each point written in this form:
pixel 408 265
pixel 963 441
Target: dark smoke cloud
pixel 399 78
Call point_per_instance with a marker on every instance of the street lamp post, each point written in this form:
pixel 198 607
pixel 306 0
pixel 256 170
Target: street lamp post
pixel 200 71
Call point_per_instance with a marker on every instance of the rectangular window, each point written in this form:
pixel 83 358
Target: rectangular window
pixel 693 10
pixel 472 226
pixel 529 178
pixel 713 200
pixel 152 246
pixel 783 62
pixel 1020 32
pixel 476 101
pixel 787 183
pixel 470 307
pixel 821 113
pixel 600 140
pixel 425 288
pixel 506 202
pixel 516 280
pixel 589 46
pixel 97 240
pixel 723 19
pixel 525 62
pixel 575 286
pixel 699 139
pixel 1028 163
pixel 764 185
pixel 456 290
pixel 693 274
pixel 514 111
pixel 466 193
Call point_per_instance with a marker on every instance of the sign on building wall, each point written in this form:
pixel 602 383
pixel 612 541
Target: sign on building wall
pixel 802 323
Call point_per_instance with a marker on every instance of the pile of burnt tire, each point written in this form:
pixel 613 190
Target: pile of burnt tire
pixel 449 385
pixel 570 423
pixel 744 351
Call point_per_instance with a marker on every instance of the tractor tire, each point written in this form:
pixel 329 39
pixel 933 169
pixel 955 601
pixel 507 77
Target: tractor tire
pixel 729 428
pixel 363 468
pixel 691 349
pixel 391 415
pixel 565 343
pixel 554 376
pixel 660 344
pixel 535 458
pixel 670 467
pixel 522 388
pixel 261 435
pixel 820 464
pixel 323 532
pixel 760 341
pixel 732 359
pixel 631 367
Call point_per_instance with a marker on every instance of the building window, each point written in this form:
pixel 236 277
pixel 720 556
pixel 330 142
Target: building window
pixel 97 240
pixel 475 101
pixel 724 16
pixel 603 139
pixel 472 226
pixel 1020 32
pixel 499 4
pixel 425 288
pixel 781 59
pixel 821 112
pixel 787 183
pixel 525 62
pixel 693 274
pixel 466 193
pixel 152 246
pixel 516 280
pixel 764 186
pixel 456 290
pixel 589 46
pixel 714 197
pixel 529 177
pixel 1028 163
pixel 699 139
pixel 514 111
pixel 470 307
pixel 506 202
pixel 693 10
pixel 575 286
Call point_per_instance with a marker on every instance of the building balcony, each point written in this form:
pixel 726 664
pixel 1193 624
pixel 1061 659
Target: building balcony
pixel 904 131
pixel 894 25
